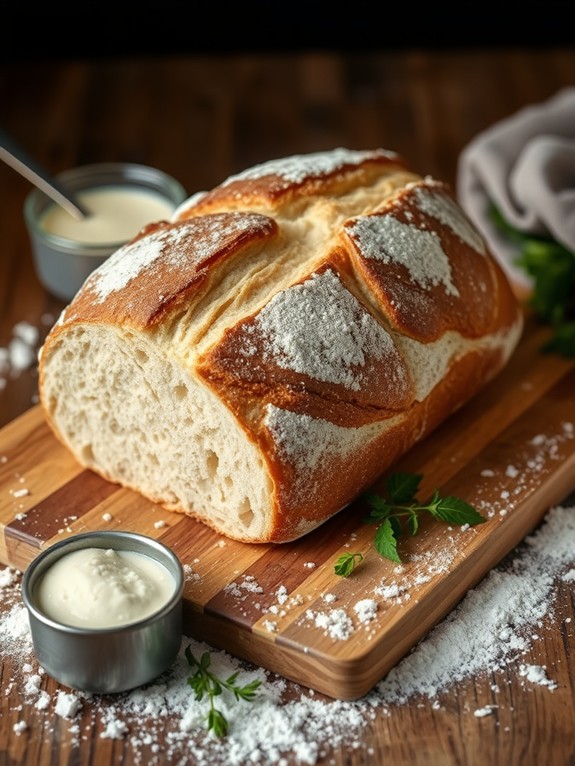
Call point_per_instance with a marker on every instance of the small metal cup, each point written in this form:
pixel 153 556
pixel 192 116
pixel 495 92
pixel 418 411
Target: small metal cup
pixel 64 264
pixel 106 660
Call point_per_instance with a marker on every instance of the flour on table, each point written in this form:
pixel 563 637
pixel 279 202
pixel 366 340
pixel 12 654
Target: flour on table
pixel 537 674
pixel 492 630
pixel 483 711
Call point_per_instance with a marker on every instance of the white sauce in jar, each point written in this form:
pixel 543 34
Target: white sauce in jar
pixel 103 588
pixel 117 213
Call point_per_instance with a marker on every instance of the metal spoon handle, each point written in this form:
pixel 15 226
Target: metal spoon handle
pixel 18 159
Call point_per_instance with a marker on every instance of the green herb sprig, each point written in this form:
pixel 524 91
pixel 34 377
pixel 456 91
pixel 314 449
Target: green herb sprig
pixel 552 268
pixel 399 510
pixel 206 683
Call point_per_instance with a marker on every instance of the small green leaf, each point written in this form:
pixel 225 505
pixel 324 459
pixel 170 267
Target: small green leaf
pixel 395 526
pixel 433 501
pixel 403 505
pixel 217 723
pixel 216 687
pixel 346 563
pixel 379 508
pixel 413 524
pixel 386 541
pixel 197 684
pixel 190 657
pixel 453 510
pixel 402 487
pixel 379 515
pixel 248 692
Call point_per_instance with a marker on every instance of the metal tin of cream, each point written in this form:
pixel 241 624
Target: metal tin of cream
pixel 114 658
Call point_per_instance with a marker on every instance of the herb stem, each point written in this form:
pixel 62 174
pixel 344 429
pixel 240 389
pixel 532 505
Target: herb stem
pixel 389 512
pixel 204 682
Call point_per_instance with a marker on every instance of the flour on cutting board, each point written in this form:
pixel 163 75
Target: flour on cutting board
pixel 491 630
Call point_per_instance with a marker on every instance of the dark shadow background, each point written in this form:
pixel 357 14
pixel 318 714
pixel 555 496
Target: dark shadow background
pixel 118 28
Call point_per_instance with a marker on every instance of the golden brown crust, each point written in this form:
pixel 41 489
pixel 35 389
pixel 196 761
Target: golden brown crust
pixel 358 347
pixel 279 182
pixel 245 362
pixel 165 264
pixel 328 487
pixel 422 303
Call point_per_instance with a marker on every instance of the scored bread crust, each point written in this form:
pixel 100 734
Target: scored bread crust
pixel 260 359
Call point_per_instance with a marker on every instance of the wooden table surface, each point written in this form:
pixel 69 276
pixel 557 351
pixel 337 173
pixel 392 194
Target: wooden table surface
pixel 201 118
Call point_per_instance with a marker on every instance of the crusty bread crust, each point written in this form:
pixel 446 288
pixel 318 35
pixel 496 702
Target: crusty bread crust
pixel 259 360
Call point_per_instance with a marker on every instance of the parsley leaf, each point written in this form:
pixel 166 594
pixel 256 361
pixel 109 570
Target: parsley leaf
pixel 386 537
pixel 399 509
pixel 403 487
pixel 205 683
pixel 453 510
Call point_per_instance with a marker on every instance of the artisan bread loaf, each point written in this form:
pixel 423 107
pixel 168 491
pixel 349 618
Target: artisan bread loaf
pixel 260 359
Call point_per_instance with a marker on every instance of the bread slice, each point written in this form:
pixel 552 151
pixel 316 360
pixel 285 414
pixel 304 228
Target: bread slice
pixel 260 359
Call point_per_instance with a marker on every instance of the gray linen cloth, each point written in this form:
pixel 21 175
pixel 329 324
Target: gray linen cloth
pixel 525 166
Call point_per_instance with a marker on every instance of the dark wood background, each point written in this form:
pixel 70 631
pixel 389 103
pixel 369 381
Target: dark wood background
pixel 203 115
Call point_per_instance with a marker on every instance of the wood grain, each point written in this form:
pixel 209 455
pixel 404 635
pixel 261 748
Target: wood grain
pixel 510 453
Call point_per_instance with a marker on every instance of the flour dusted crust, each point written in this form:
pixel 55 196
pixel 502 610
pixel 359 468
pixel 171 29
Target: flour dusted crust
pixel 260 359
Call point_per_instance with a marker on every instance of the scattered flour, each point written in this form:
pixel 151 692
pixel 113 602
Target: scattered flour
pixel 241 590
pixel 21 351
pixel 19 727
pixel 335 623
pixel 537 674
pixel 483 711
pixel 492 629
pixel 67 704
pixel 366 609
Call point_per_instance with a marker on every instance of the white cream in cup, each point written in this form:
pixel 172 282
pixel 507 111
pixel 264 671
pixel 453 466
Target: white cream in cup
pixel 117 213
pixel 103 588
pixel 123 198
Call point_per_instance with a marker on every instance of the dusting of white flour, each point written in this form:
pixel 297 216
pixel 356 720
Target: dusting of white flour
pixel 319 328
pixel 493 628
pixel 299 167
pixel 308 441
pixel 178 247
pixel 387 239
pixel 450 214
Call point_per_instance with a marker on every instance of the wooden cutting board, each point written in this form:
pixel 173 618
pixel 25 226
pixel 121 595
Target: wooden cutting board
pixel 510 452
